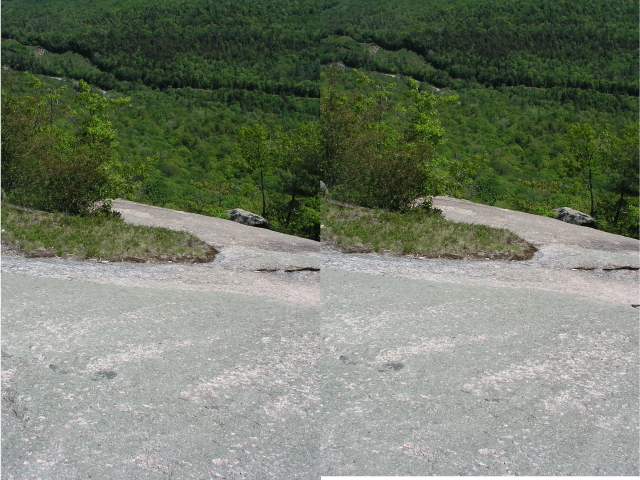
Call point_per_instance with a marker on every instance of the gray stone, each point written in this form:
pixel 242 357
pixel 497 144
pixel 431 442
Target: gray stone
pixel 247 218
pixel 575 217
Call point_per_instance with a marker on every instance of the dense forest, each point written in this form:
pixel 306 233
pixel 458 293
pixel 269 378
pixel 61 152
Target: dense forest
pixel 205 79
pixel 563 43
pixel 251 45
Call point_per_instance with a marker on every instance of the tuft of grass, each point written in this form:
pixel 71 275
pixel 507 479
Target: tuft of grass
pixel 98 236
pixel 418 232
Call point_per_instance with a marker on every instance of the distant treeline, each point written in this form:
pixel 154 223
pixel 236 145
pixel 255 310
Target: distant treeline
pixel 270 46
pixel 275 46
pixel 561 43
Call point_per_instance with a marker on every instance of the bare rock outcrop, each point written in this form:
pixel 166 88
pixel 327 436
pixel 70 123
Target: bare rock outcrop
pixel 247 218
pixel 575 217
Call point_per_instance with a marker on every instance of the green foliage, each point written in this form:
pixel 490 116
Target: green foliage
pixel 28 139
pixel 266 46
pixel 621 167
pixel 198 72
pixel 590 45
pixel 55 158
pixel 285 164
pixel 256 150
pixel 295 162
pixel 584 156
pixel 525 72
pixel 382 153
pixel 607 163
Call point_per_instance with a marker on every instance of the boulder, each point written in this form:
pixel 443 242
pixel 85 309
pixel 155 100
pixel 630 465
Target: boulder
pixel 247 218
pixel 575 217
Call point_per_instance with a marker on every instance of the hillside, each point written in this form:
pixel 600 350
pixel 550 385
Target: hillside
pixel 569 44
pixel 197 72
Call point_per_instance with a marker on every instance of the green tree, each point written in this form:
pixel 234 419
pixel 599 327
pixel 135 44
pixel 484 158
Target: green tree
pixel 296 154
pixel 29 139
pixel 339 125
pixel 585 156
pixel 54 164
pixel 620 164
pixel 256 148
pixel 381 153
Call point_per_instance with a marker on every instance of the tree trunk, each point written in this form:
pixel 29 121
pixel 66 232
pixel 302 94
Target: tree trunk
pixel 618 208
pixel 591 191
pixel 264 202
pixel 293 199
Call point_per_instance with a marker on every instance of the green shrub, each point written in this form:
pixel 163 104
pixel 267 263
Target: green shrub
pixel 57 158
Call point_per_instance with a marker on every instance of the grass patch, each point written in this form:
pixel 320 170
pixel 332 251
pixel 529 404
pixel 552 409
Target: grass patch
pixel 418 232
pixel 99 236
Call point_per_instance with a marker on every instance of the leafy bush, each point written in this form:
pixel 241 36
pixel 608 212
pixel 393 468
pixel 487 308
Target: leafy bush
pixel 57 158
pixel 379 153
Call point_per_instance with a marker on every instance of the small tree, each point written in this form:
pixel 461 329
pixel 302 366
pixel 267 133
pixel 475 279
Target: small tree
pixel 62 163
pixel 255 145
pixel 380 153
pixel 621 166
pixel 296 154
pixel 284 164
pixel 339 125
pixel 29 138
pixel 585 156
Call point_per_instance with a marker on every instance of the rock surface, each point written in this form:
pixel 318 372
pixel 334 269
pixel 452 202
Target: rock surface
pixel 538 230
pixel 575 217
pixel 405 366
pixel 247 218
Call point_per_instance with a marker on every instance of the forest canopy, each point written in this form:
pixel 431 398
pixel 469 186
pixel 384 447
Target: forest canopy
pixel 200 73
